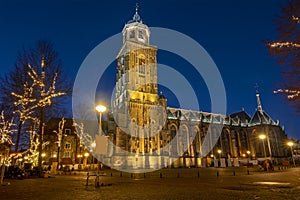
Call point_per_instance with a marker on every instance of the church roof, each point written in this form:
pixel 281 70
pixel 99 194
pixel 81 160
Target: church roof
pixel 240 118
pixel 242 115
pixel 261 117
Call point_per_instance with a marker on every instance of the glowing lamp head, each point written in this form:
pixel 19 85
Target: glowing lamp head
pixel 219 151
pixel 86 154
pixel 290 144
pixel 262 137
pixel 101 108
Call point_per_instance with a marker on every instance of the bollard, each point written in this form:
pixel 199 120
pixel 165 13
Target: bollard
pixel 217 173
pixel 144 175
pixel 198 174
pixel 110 173
pixel 248 172
pixel 121 174
pixel 233 173
pixel 131 175
pixel 87 179
pixel 278 168
pixel 97 184
pixel 160 175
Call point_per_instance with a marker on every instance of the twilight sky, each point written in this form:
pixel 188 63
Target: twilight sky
pixel 231 31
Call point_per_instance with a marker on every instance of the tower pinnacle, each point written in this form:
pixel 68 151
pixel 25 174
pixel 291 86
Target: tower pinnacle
pixel 259 107
pixel 136 16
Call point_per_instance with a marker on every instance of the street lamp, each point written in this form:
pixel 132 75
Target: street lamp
pixel 291 144
pixel 219 152
pixel 100 109
pixel 248 153
pixel 263 137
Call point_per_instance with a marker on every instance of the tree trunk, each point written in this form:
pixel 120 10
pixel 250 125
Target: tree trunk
pixel 18 136
pixel 58 154
pixel 41 133
pixel 2 173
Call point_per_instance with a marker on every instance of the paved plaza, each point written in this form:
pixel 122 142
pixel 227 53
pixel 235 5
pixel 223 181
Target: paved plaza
pixel 231 183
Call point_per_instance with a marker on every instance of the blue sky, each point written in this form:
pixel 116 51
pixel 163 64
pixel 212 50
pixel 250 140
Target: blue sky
pixel 232 32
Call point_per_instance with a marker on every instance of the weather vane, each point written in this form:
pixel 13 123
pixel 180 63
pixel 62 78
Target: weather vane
pixel 136 7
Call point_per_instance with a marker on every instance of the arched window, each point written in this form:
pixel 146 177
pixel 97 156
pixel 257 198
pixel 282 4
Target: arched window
pixel 173 138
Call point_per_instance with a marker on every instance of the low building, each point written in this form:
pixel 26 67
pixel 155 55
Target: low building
pixel 67 151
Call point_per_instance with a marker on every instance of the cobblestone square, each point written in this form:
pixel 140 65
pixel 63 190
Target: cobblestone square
pixel 174 184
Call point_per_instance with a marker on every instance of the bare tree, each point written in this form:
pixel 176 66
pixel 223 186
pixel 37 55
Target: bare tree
pixel 22 87
pixel 59 133
pixel 286 50
pixel 5 140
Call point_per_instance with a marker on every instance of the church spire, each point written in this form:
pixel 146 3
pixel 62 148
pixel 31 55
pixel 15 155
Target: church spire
pixel 259 107
pixel 136 16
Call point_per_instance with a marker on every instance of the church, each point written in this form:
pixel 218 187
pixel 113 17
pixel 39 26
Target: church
pixel 148 134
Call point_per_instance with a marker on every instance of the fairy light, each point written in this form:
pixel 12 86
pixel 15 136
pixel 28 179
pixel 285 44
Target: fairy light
pixel 291 93
pixel 284 44
pixel 5 130
pixel 297 19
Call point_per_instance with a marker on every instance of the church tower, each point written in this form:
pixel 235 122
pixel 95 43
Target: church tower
pixel 136 89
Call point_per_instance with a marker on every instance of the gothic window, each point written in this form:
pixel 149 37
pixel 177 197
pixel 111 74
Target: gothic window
pixel 173 132
pixel 131 34
pixel 141 34
pixel 142 65
pixel 142 69
pixel 142 61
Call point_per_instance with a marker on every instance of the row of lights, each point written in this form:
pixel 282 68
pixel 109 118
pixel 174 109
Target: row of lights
pixel 220 151
pixel 78 156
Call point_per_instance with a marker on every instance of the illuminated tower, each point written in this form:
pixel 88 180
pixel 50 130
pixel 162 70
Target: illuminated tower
pixel 136 89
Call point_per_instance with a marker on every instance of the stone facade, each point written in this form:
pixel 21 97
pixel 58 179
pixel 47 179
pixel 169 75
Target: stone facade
pixel 184 137
pixel 147 134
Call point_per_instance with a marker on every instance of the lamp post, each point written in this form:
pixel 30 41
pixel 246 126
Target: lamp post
pixel 93 148
pixel 248 153
pixel 291 144
pixel 79 156
pixel 219 152
pixel 100 109
pixel 263 137
pixel 86 155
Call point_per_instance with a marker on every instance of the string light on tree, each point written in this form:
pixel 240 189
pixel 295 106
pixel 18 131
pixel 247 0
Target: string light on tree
pixel 291 93
pixel 286 51
pixel 5 140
